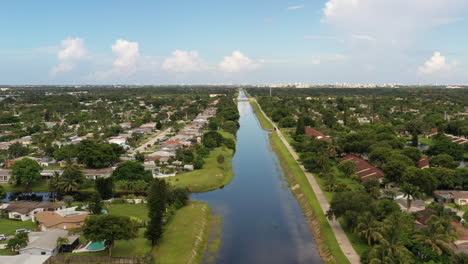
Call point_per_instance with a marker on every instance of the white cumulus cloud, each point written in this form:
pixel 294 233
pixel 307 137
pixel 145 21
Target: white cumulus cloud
pixel 184 62
pixel 238 62
pixel 127 54
pixel 437 64
pixel 71 51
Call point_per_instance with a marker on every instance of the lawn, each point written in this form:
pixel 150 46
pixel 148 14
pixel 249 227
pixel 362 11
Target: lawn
pixel 136 210
pixel 8 227
pixel 178 243
pixel 266 125
pixel 185 237
pixel 426 141
pixel 137 247
pixel 40 187
pixel 211 177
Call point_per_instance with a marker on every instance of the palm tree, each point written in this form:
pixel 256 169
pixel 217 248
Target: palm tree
pixel 71 179
pixel 410 192
pixel 369 228
pixel 390 248
pixel 54 183
pixel 439 234
pixel 61 241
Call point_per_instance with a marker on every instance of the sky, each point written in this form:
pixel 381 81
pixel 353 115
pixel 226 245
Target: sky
pixel 233 42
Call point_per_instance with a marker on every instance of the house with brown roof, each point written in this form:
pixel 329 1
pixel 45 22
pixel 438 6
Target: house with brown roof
pixel 363 169
pixel 62 219
pixel 311 132
pixel 423 163
pixel 25 210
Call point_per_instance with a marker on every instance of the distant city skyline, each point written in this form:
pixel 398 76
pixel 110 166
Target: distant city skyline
pixel 234 42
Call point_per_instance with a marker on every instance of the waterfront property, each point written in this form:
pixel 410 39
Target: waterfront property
pixel 25 210
pixel 62 219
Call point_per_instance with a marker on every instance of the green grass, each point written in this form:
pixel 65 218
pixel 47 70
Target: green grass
pixel 137 247
pixel 179 236
pixel 266 125
pixel 8 227
pixel 211 177
pixel 136 210
pixel 463 207
pixel 39 187
pixel 426 141
pixel 186 234
pixel 327 240
pixel 4 252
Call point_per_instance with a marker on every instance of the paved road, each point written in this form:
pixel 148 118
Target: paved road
pixel 153 140
pixel 340 235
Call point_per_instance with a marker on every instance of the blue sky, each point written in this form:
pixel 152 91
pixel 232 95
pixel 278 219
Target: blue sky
pixel 248 42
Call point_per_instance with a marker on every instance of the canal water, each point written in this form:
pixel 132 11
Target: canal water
pixel 262 221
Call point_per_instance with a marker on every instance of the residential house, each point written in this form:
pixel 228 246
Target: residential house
pixel 311 132
pixel 5 176
pixel 45 243
pixel 423 163
pixel 94 174
pixel 458 197
pixel 62 219
pixel 25 210
pixel 363 168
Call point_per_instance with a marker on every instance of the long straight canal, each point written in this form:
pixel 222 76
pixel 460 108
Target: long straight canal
pixel 262 221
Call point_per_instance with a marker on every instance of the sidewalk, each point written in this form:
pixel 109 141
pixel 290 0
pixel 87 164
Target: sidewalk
pixel 340 235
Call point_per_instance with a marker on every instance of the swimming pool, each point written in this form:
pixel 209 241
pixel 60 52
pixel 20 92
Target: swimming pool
pixel 96 246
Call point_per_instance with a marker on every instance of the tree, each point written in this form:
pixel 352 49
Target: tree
pixel 415 127
pixel 220 159
pixel 198 163
pixel 230 126
pixel 411 192
pixel 105 187
pixel 68 200
pixel 394 170
pixel 61 241
pixel 95 203
pixel 443 160
pixel 300 127
pixel 109 228
pixel 287 122
pixel 439 234
pixel 2 193
pixel 372 187
pixel 16 150
pixel 26 172
pixel 140 157
pixel 391 249
pixel 413 153
pixel 369 228
pixel 421 178
pixel 212 139
pixel 347 167
pixel 380 154
pixel 131 171
pixel 20 240
pixel 98 155
pixel 157 202
pixel 71 179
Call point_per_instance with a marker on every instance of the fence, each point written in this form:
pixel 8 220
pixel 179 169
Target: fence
pixel 95 260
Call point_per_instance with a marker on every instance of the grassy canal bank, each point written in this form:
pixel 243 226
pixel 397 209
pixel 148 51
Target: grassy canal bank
pixel 323 234
pixel 212 176
pixel 184 240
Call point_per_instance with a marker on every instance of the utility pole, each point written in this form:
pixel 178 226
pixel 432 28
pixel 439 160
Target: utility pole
pixel 270 91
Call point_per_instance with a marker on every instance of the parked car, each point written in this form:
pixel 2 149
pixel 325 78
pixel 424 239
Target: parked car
pixel 21 230
pixel 2 237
